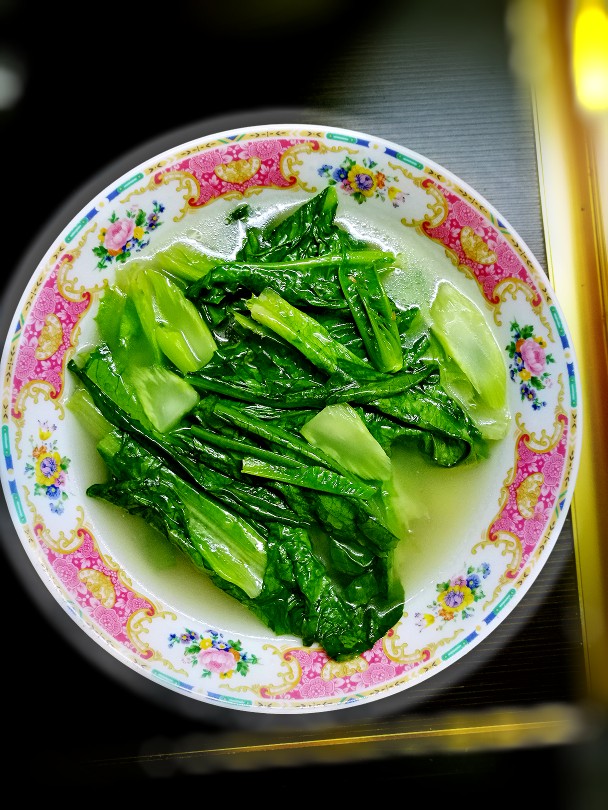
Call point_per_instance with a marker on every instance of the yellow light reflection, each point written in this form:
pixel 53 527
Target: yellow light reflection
pixel 590 55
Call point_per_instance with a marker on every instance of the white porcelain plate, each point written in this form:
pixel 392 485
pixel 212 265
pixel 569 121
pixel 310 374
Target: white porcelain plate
pixel 485 531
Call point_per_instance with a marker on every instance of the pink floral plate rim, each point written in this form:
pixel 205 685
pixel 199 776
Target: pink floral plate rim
pixel 402 191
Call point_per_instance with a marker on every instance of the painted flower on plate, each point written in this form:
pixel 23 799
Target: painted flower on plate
pixel 127 234
pixel 456 598
pixel 213 653
pixel 48 468
pixel 363 180
pixel 529 361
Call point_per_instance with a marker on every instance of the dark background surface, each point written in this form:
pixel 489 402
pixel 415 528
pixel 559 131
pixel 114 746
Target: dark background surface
pixel 101 93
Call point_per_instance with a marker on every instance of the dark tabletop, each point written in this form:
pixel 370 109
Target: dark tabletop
pixel 104 92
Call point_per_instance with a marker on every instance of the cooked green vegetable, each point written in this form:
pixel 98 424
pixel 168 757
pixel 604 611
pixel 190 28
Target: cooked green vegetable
pixel 165 397
pixel 184 261
pixel 213 536
pixel 342 433
pixel 308 282
pixel 309 230
pixel 311 477
pixel 170 321
pixel 373 314
pixel 471 362
pixel 300 329
pixel 248 409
